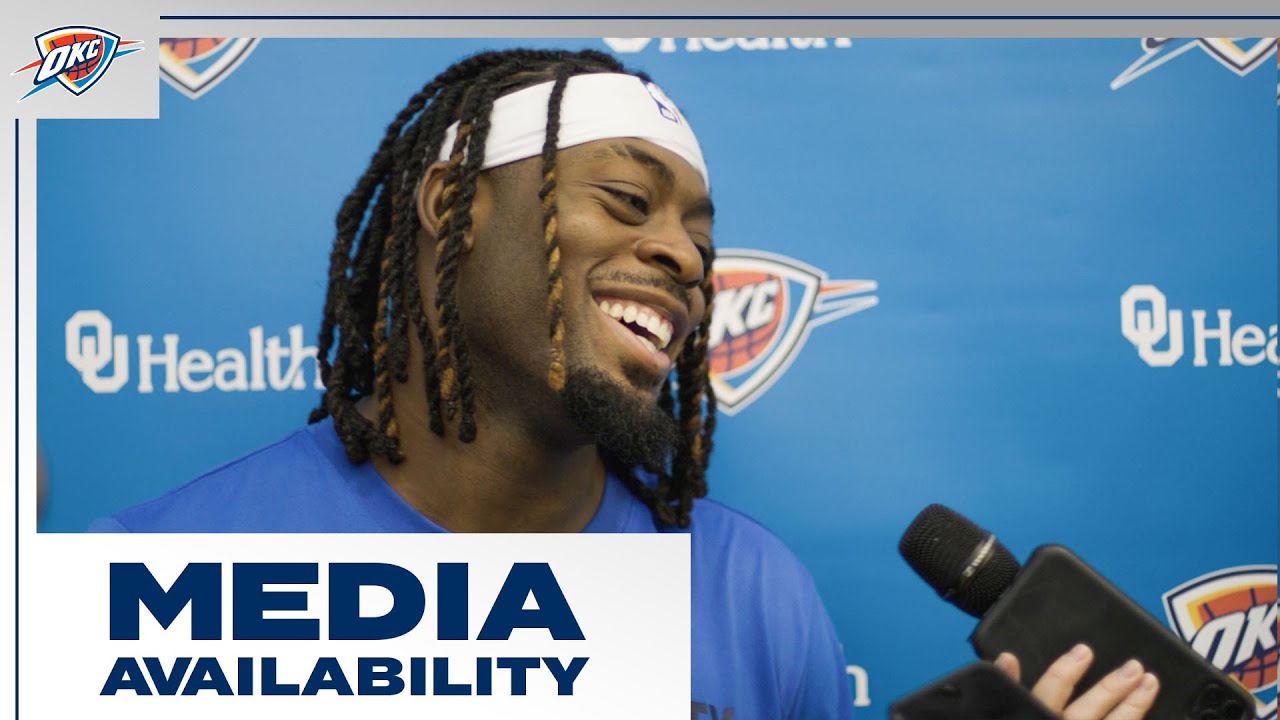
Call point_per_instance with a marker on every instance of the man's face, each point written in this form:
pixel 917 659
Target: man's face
pixel 634 230
pixel 635 236
pixel 635 226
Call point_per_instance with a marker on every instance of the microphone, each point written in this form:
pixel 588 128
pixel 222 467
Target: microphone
pixel 1040 611
pixel 961 561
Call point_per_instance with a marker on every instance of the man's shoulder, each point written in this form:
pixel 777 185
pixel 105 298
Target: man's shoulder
pixel 259 491
pixel 752 600
pixel 713 517
pixel 735 542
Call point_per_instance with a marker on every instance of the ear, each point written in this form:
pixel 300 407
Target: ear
pixel 429 203
pixel 429 200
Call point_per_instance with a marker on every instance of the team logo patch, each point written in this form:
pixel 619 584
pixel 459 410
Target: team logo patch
pixel 1240 55
pixel 1229 617
pixel 76 57
pixel 764 308
pixel 194 66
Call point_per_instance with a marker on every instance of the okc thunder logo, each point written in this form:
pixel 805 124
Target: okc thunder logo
pixel 194 66
pixel 1239 55
pixel 1229 617
pixel 76 57
pixel 764 308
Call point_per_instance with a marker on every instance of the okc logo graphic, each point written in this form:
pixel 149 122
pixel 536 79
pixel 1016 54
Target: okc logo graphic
pixel 1229 617
pixel 75 56
pixel 1240 55
pixel 194 66
pixel 764 309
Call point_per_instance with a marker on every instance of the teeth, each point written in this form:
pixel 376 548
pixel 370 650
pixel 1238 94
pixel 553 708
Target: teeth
pixel 645 341
pixel 645 317
pixel 653 324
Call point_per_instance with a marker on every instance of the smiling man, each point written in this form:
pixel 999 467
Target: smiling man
pixel 515 339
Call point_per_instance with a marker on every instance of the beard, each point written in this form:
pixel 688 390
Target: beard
pixel 628 428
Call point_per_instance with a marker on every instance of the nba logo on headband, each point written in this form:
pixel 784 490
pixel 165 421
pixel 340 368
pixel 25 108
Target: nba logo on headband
pixel 666 108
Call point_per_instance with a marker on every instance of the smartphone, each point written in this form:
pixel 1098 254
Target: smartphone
pixel 977 691
pixel 1057 601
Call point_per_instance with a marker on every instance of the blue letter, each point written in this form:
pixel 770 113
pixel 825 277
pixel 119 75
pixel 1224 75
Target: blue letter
pixel 126 675
pixel 249 601
pixel 451 601
pixel 440 684
pixel 269 684
pixel 518 667
pixel 327 675
pixel 167 685
pixel 372 671
pixel 565 676
pixel 407 601
pixel 508 611
pixel 199 585
pixel 207 675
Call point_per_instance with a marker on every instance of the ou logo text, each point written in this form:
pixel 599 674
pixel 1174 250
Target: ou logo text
pixel 90 353
pixel 1146 321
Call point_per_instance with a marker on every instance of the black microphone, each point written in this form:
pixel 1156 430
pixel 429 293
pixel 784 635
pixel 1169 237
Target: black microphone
pixel 1040 611
pixel 960 560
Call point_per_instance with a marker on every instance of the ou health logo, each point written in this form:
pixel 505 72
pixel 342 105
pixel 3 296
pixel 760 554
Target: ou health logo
pixel 91 353
pixel 76 57
pixel 764 308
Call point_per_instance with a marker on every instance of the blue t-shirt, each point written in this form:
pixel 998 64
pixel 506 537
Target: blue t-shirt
pixel 763 647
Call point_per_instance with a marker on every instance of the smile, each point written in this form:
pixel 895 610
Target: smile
pixel 649 324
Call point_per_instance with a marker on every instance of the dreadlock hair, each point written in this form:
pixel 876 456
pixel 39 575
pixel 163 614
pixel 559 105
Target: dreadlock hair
pixel 374 299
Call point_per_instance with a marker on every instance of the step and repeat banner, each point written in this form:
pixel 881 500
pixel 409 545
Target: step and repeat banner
pixel 1034 280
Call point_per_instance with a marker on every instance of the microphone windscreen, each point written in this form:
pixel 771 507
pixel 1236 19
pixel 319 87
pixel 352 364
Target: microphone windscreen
pixel 958 559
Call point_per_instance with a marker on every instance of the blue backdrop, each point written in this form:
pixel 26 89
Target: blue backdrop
pixel 997 198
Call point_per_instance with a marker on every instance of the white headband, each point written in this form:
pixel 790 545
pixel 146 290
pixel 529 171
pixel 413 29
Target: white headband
pixel 594 107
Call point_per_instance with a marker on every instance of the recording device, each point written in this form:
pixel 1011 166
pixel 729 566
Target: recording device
pixel 978 691
pixel 1040 611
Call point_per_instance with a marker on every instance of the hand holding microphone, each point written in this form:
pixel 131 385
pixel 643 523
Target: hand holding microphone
pixel 1059 621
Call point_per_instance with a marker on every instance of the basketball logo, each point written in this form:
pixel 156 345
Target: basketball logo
pixel 764 308
pixel 1229 617
pixel 192 49
pixel 757 325
pixel 194 66
pixel 1239 55
pixel 76 57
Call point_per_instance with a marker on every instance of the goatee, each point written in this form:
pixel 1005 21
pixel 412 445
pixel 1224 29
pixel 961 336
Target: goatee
pixel 630 429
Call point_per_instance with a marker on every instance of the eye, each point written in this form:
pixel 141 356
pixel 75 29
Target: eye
pixel 633 201
pixel 707 254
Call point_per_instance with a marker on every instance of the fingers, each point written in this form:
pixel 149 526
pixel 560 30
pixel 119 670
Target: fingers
pixel 1124 694
pixel 1055 686
pixel 1139 701
pixel 1009 665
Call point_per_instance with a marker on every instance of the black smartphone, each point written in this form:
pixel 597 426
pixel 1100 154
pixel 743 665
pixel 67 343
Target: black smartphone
pixel 977 691
pixel 1057 601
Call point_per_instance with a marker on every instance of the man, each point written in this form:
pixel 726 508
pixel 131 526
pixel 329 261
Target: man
pixel 517 315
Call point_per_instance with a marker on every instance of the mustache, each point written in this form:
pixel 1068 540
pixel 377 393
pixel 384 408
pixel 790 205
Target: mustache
pixel 661 282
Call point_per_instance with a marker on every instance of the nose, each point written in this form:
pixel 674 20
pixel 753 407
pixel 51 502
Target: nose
pixel 671 248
